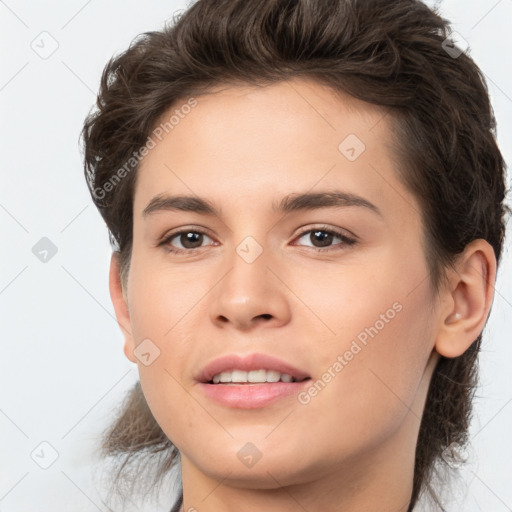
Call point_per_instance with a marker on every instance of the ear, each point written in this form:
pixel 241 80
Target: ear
pixel 467 299
pixel 121 309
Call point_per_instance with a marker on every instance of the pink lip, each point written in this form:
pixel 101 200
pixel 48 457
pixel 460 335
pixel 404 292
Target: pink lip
pixel 251 396
pixel 250 362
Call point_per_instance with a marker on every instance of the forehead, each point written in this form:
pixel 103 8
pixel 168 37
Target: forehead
pixel 250 142
pixel 300 112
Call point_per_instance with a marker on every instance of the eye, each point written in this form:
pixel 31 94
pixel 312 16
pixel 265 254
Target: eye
pixel 321 239
pixel 189 239
pixel 324 236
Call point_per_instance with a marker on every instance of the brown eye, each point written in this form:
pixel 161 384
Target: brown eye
pixel 322 237
pixel 319 238
pixel 188 240
pixel 191 239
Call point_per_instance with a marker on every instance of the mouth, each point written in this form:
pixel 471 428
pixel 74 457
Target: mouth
pixel 252 395
pixel 250 369
pixel 250 382
pixel 253 378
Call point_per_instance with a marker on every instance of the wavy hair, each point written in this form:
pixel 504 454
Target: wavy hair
pixel 390 53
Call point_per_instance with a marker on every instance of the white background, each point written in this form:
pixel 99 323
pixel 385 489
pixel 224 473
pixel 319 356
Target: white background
pixel 62 367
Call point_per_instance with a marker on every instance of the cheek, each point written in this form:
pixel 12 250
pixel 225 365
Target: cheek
pixel 164 309
pixel 162 297
pixel 371 368
pixel 366 389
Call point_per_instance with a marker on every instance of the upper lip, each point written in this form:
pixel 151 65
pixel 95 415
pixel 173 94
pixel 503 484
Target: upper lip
pixel 247 363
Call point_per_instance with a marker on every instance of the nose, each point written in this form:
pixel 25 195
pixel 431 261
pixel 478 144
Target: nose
pixel 250 294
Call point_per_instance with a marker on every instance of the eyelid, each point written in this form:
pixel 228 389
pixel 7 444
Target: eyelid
pixel 344 233
pixel 165 240
pixel 347 239
pixel 179 231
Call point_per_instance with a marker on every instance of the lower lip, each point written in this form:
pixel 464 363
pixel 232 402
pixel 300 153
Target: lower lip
pixel 251 396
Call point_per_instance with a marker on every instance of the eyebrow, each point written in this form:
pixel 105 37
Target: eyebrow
pixel 290 203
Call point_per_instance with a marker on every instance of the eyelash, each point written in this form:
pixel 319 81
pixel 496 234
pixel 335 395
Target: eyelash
pixel 346 241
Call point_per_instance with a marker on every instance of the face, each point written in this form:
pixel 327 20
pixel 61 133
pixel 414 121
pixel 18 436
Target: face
pixel 336 286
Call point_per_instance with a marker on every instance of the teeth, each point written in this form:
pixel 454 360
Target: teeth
pixel 252 376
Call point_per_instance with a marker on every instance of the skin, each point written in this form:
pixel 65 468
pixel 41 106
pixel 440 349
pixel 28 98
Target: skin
pixel 352 446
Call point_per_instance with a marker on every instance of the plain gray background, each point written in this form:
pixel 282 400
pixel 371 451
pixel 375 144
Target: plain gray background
pixel 62 366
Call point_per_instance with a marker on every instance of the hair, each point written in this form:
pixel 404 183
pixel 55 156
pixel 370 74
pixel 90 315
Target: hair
pixel 388 53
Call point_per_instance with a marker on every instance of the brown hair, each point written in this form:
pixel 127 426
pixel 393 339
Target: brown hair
pixel 385 52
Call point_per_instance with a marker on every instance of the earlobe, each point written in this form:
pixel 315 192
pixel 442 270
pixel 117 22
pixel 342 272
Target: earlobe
pixel 121 307
pixel 468 299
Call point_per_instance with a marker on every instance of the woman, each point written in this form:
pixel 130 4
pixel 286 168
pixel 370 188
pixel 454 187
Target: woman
pixel 305 200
